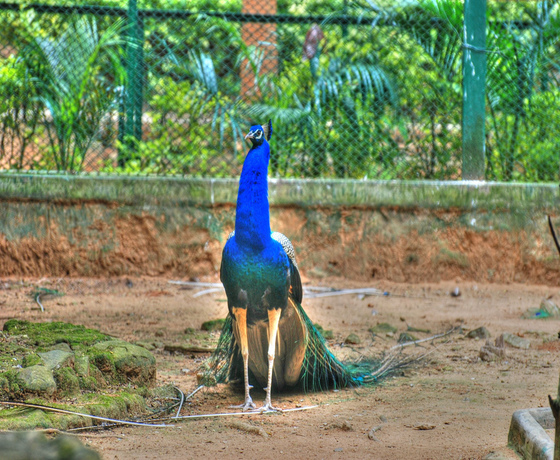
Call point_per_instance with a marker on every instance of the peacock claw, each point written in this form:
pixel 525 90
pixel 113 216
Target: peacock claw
pixel 247 406
pixel 268 407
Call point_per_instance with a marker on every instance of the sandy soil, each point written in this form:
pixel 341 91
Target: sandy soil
pixel 465 401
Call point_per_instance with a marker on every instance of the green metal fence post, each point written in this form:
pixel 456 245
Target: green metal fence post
pixel 139 87
pixel 474 81
pixel 134 94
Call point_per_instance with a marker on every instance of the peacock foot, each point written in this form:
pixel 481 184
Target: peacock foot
pixel 268 407
pixel 247 406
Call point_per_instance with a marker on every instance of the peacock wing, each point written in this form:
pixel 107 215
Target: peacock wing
pixel 296 290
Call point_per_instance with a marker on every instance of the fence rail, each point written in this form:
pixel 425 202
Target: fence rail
pixel 354 90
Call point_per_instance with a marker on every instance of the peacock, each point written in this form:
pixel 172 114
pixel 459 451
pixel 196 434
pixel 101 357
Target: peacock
pixel 267 337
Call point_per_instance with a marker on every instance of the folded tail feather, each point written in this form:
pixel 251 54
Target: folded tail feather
pixel 321 370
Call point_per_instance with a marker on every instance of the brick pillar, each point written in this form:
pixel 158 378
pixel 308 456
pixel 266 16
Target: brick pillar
pixel 263 38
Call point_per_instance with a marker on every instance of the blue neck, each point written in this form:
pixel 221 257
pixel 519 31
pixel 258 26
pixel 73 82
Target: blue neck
pixel 252 220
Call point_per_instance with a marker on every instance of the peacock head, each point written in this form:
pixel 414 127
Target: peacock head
pixel 257 134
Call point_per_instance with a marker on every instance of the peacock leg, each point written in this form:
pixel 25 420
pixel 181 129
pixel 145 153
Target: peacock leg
pixel 240 315
pixel 273 319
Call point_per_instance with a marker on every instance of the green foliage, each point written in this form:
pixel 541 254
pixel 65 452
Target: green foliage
pixel 19 112
pixel 61 87
pixel 379 100
pixel 73 86
pixel 522 85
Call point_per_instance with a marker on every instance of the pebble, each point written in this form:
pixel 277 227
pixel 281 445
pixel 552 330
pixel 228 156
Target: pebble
pixel 353 339
pixel 515 341
pixel 479 333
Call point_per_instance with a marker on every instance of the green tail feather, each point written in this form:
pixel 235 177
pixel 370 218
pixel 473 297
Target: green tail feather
pixel 321 370
pixel 226 362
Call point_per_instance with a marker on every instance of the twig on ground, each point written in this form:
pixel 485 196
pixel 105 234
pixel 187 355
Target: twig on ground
pixel 57 431
pixel 363 291
pixel 186 350
pixel 427 339
pixel 207 291
pixel 182 401
pixel 195 284
pixel 237 414
pixel 195 391
pixel 38 300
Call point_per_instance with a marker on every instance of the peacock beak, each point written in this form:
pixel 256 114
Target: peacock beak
pixel 250 135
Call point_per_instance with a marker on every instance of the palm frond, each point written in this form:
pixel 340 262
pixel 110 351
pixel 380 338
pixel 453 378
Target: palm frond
pixel 436 27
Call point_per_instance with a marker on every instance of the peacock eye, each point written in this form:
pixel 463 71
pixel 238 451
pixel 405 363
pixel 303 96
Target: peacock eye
pixel 258 135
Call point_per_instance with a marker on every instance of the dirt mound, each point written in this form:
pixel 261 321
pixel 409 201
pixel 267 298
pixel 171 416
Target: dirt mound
pixel 360 244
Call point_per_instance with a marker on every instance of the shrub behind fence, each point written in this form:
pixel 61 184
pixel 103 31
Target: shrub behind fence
pixel 355 90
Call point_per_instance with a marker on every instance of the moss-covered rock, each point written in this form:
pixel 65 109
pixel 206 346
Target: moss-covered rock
pixel 31 360
pixel 127 362
pixel 103 361
pixel 58 363
pixel 36 379
pixel 326 333
pixel 407 337
pixel 81 365
pixel 213 325
pixel 353 339
pixel 55 359
pixel 47 335
pixel 383 327
pixel 67 381
pixel 35 446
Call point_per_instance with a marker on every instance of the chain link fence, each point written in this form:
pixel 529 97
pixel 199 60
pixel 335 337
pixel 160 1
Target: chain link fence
pixel 355 89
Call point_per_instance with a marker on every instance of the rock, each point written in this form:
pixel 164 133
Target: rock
pixel 346 426
pixel 479 333
pixel 187 350
pixel 150 346
pixel 353 339
pixel 36 379
pixel 214 325
pixel 67 381
pixel 371 434
pixel 55 359
pixel 327 334
pixel 516 341
pixel 424 426
pixel 81 365
pixel 32 445
pixel 382 327
pixel 129 362
pixel 490 352
pixel 31 360
pixel 62 346
pixel 455 292
pixel 406 337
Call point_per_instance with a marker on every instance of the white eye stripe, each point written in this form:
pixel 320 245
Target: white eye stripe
pixel 258 134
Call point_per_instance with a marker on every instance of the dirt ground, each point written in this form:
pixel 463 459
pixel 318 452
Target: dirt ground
pixel 465 402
